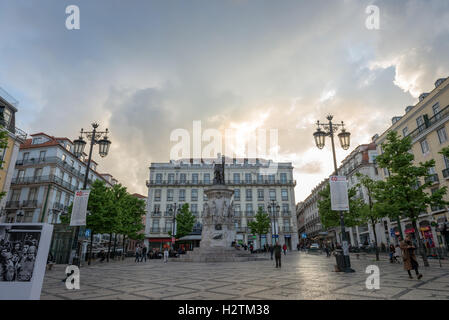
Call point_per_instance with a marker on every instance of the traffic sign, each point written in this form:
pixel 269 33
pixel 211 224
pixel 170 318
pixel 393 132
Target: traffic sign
pixel 87 233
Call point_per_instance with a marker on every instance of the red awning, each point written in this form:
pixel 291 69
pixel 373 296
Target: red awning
pixel 159 239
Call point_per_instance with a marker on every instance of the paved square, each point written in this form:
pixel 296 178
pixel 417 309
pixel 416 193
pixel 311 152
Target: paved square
pixel 302 276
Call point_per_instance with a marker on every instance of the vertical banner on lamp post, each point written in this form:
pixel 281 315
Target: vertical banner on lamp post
pixel 79 208
pixel 339 193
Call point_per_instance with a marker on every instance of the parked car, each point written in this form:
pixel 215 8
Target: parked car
pixel 314 248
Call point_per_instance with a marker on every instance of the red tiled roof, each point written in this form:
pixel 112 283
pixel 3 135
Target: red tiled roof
pixel 137 195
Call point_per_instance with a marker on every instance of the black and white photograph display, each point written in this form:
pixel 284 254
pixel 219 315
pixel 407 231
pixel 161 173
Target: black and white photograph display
pixel 18 251
pixel 24 251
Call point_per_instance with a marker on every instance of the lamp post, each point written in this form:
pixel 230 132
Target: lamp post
pixel 173 212
pixel 320 136
pixel 79 144
pixel 274 208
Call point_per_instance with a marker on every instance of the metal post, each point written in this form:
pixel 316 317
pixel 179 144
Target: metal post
pixel 76 243
pixel 342 221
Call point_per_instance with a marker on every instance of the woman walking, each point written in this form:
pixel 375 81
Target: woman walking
pixel 408 255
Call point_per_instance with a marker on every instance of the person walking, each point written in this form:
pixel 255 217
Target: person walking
pixel 271 251
pixel 392 251
pixel 166 254
pixel 277 254
pixel 144 254
pixel 409 257
pixel 137 254
pixel 284 247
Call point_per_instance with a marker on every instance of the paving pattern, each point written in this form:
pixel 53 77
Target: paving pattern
pixel 302 276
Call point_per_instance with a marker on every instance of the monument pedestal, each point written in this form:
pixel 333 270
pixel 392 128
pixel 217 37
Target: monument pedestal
pixel 218 232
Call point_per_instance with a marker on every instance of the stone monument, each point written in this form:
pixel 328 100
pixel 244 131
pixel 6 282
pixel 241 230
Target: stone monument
pixel 218 233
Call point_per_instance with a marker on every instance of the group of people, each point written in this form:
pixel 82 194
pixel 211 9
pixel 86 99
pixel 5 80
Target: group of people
pixel 17 259
pixel 142 253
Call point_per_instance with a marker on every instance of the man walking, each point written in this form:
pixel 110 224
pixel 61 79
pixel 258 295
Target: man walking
pixel 144 254
pixel 277 254
pixel 271 251
pixel 166 254
pixel 137 254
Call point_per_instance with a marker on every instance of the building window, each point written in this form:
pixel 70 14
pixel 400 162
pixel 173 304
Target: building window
pixel 283 178
pixel 405 132
pixel 272 194
pixel 157 208
pixel 194 195
pixel 424 147
pixel 436 110
pixel 271 178
pixel 236 178
pixel 420 123
pixel 157 195
pixel 171 178
pixel 260 194
pixel 42 155
pixel 249 194
pixel 182 178
pixel 195 178
pixel 249 208
pixel 37 140
pixel 442 136
pixel 182 195
pixel 446 162
pixel 204 196
pixel 261 206
pixel 159 178
pixel 259 178
pixel 207 178
pixel 237 194
pixel 170 195
pixel 284 194
pixel 194 208
pixel 248 177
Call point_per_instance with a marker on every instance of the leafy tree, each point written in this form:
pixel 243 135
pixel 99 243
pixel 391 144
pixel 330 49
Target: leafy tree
pixel 3 144
pixel 97 207
pixel 131 219
pixel 184 222
pixel 260 225
pixel 370 212
pixel 403 186
pixel 331 218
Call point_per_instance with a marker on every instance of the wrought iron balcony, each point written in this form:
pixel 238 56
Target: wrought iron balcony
pixel 44 179
pixel 168 214
pixel 29 204
pixel 58 206
pixel 430 122
pixel 433 178
pixel 156 214
pixel 155 230
pixel 12 204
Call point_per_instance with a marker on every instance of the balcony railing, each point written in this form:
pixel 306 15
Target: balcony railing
pixel 29 204
pixel 286 213
pixel 156 214
pixel 168 214
pixel 58 206
pixel 430 122
pixel 241 229
pixel 433 178
pixel 12 204
pixel 237 214
pixel 44 179
pixel 249 213
pixel 228 182
pixel 51 160
pixel 155 230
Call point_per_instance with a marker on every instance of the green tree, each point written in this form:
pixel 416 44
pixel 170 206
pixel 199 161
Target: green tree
pixel 403 187
pixel 331 218
pixel 370 212
pixel 131 219
pixel 3 144
pixel 97 208
pixel 260 225
pixel 184 222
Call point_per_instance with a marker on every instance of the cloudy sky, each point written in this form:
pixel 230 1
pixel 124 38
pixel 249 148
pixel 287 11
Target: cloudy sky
pixel 144 68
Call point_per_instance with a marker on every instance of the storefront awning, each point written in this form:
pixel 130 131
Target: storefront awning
pixel 190 237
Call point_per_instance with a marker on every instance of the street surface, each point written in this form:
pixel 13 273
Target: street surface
pixel 302 276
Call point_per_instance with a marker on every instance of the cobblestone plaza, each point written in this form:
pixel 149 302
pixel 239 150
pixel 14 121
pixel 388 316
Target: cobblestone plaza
pixel 302 276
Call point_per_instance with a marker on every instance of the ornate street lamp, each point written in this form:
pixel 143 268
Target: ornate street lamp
pixel 329 129
pixel 78 149
pixel 274 209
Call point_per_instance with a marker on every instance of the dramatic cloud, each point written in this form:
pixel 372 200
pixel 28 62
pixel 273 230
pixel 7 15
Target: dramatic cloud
pixel 146 68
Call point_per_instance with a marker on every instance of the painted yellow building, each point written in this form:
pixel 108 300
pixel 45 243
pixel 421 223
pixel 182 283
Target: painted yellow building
pixel 9 154
pixel 427 123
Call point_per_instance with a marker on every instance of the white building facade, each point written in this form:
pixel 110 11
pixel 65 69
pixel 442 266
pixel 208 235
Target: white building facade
pixel 184 181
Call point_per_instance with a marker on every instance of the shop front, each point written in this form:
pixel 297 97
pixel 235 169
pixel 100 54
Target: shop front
pixel 159 243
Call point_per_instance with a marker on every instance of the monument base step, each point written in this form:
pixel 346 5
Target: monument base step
pixel 218 255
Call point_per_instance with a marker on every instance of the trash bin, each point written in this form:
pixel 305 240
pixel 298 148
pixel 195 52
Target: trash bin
pixel 340 258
